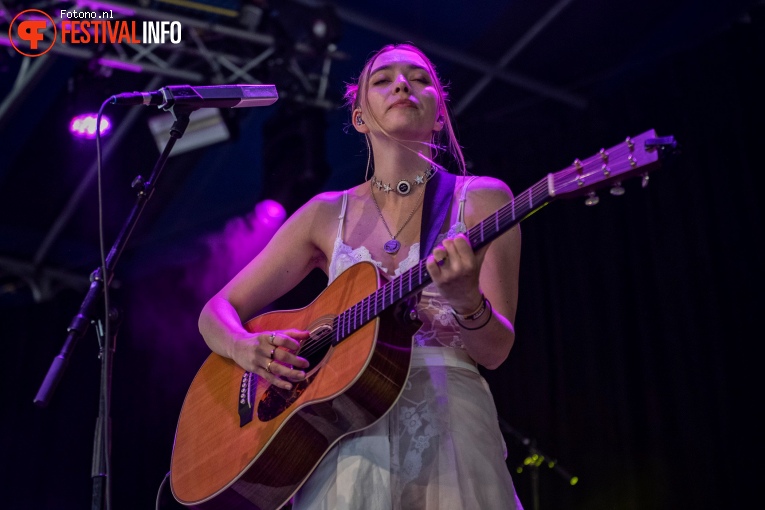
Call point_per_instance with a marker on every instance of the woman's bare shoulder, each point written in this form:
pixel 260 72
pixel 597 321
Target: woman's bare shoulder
pixel 486 194
pixel 320 207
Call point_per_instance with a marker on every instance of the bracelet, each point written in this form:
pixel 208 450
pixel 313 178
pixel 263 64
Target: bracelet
pixel 475 314
pixel 487 305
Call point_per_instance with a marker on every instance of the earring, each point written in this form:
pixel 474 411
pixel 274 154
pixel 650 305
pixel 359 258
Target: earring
pixel 359 120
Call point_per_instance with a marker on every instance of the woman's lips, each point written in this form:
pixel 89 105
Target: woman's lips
pixel 405 103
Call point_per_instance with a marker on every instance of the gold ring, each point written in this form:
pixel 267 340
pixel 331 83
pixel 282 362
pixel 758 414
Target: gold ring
pixel 272 354
pixel 271 339
pixel 268 367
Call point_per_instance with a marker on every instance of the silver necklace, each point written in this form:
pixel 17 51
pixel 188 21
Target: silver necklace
pixel 391 247
pixel 404 187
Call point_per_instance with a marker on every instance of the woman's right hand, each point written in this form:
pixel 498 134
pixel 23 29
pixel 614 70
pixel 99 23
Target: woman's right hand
pixel 271 355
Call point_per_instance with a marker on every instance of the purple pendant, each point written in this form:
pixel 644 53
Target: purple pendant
pixel 392 247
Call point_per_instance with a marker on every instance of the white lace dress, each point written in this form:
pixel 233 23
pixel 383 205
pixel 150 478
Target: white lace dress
pixel 440 446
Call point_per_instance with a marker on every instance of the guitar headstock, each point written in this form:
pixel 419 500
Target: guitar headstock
pixel 610 167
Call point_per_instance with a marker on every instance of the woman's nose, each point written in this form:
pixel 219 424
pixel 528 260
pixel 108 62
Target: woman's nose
pixel 401 84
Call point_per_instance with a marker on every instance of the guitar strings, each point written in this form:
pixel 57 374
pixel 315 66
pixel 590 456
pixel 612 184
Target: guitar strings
pixel 539 190
pixel 356 312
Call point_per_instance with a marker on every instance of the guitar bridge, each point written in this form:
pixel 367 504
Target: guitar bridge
pixel 246 399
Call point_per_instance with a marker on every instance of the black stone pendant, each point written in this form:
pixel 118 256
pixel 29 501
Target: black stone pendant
pixel 392 247
pixel 403 187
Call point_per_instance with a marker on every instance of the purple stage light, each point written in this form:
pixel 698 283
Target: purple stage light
pixel 270 212
pixel 84 126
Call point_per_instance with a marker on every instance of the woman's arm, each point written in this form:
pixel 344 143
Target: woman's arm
pixel 286 260
pixel 492 271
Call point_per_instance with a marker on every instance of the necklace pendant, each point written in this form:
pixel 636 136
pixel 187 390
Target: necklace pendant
pixel 403 187
pixel 392 247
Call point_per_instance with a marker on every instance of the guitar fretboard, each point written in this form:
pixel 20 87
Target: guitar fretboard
pixel 417 278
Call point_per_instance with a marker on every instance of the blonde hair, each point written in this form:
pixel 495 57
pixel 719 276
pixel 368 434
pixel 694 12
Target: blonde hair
pixel 443 140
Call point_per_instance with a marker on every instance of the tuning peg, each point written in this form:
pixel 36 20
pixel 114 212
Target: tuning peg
pixel 592 199
pixel 617 189
pixel 644 181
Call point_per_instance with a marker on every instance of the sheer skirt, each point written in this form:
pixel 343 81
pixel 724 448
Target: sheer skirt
pixel 439 447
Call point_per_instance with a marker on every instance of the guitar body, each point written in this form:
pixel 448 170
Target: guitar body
pixel 217 463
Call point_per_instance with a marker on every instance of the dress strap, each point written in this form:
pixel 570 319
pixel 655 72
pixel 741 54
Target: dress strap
pixel 463 198
pixel 342 216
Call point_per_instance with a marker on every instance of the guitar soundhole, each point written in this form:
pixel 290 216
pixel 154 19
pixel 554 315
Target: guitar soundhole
pixel 276 400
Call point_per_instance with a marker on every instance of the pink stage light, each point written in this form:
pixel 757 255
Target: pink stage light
pixel 84 126
pixel 270 212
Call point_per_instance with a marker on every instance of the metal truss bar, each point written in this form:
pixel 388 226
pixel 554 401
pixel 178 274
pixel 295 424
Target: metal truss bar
pixel 148 52
pixel 464 59
pixel 235 71
pixel 514 51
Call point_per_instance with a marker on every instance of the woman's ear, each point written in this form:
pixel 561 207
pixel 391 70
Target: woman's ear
pixel 439 124
pixel 358 121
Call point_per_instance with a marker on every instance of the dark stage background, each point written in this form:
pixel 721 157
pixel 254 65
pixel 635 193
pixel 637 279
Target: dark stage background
pixel 638 326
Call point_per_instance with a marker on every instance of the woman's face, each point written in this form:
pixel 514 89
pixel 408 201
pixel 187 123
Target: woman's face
pixel 402 97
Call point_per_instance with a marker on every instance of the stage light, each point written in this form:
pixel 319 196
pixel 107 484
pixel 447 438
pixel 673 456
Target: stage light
pixel 270 213
pixel 84 125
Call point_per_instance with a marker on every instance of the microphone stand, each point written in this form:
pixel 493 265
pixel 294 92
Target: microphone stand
pixel 88 314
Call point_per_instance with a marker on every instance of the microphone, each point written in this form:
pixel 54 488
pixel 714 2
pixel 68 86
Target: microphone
pixel 213 96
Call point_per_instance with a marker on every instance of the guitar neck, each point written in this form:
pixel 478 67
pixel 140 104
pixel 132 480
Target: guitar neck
pixel 634 156
pixel 417 278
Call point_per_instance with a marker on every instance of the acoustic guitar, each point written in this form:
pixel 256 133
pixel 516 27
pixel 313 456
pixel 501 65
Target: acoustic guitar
pixel 244 444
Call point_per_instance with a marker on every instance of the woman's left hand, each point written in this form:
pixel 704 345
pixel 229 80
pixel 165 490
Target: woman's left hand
pixel 455 269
